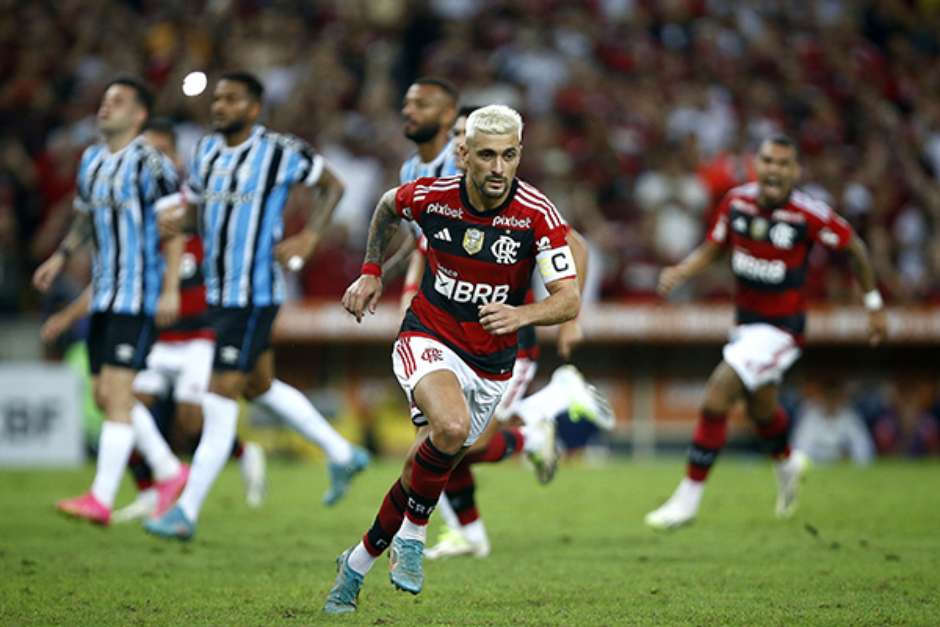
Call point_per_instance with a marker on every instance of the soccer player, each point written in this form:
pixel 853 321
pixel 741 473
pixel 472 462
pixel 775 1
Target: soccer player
pixel 241 178
pixel 122 184
pixel 179 362
pixel 769 228
pixel 521 424
pixel 457 344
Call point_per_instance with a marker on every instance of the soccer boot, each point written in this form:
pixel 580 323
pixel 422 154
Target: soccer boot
pixel 169 490
pixel 405 569
pixel 142 507
pixel 342 474
pixel 344 595
pixel 680 509
pixel 86 506
pixel 545 459
pixel 586 401
pixel 173 524
pixel 790 473
pixel 452 543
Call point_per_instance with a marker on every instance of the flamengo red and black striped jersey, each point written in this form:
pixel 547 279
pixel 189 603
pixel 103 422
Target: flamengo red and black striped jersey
pixel 770 252
pixel 475 258
pixel 192 323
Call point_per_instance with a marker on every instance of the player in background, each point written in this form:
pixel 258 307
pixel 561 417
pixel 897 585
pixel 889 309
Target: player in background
pixel 179 364
pixel 769 228
pixel 521 424
pixel 122 184
pixel 240 179
pixel 457 344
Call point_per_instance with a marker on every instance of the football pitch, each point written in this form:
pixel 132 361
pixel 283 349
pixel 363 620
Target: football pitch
pixel 864 549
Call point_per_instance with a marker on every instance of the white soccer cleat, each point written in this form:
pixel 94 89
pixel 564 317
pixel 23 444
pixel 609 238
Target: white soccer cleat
pixel 585 400
pixel 790 473
pixel 142 507
pixel 254 474
pixel 680 509
pixel 452 543
pixel 545 459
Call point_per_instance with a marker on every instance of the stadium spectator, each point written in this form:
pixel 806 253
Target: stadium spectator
pixel 829 429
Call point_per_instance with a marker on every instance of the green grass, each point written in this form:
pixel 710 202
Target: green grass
pixel 864 549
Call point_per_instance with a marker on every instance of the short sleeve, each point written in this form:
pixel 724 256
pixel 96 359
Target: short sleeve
pixel 827 227
pixel 302 164
pixel 410 198
pixel 193 188
pixel 161 182
pixel 553 256
pixel 82 201
pixel 718 232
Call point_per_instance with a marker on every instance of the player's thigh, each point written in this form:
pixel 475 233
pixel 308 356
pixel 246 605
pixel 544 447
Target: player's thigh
pixel 762 402
pixel 192 379
pixel 440 398
pixel 724 388
pixel 480 444
pixel 188 418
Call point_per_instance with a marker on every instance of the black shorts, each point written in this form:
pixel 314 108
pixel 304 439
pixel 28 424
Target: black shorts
pixel 121 340
pixel 241 335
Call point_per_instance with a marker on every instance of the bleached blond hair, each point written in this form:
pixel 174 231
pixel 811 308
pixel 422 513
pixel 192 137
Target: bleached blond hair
pixel 494 119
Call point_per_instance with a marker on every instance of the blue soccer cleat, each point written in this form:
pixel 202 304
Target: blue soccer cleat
pixel 173 524
pixel 344 595
pixel 342 474
pixel 405 565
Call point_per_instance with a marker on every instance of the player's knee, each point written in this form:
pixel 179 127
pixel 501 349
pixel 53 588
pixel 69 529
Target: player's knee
pixel 450 433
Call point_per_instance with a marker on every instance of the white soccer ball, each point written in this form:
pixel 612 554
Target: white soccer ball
pixel 194 83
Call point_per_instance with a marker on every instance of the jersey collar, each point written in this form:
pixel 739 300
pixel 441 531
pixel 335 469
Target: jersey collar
pixel 465 199
pixel 256 131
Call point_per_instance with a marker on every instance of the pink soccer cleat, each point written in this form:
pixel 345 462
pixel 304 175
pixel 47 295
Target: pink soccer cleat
pixel 86 506
pixel 169 490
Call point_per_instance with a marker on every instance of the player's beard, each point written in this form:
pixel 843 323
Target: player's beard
pixel 423 134
pixel 231 128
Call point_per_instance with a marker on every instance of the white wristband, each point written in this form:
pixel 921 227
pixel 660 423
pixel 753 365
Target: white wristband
pixel 873 301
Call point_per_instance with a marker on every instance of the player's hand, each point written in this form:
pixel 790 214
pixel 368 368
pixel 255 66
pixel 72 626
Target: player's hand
pixel 48 271
pixel 168 308
pixel 363 294
pixel 300 245
pixel 54 327
pixel 500 319
pixel 570 335
pixel 877 326
pixel 171 222
pixel 669 279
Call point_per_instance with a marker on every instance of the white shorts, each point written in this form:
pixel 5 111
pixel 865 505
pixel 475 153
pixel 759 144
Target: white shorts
pixel 760 354
pixel 184 367
pixel 415 356
pixel 522 374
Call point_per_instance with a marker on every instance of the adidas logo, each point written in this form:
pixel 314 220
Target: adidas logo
pixel 443 234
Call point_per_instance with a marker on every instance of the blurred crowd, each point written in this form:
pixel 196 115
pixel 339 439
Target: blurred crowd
pixel 639 114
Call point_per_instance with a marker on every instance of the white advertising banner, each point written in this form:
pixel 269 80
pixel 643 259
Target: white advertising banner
pixel 40 416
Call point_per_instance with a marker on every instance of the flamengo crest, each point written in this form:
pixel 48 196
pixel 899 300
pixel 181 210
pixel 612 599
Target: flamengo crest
pixel 504 249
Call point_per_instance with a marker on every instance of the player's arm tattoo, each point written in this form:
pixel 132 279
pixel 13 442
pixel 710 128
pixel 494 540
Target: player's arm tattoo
pixel 383 227
pixel 79 232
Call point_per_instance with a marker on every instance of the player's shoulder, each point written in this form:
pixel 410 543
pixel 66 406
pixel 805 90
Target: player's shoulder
pixel 437 183
pixel 746 191
pixel 285 141
pixel 93 153
pixel 805 203
pixel 531 199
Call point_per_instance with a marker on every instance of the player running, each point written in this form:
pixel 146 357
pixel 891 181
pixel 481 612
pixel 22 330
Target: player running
pixel 241 178
pixel 455 351
pixel 769 228
pixel 122 184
